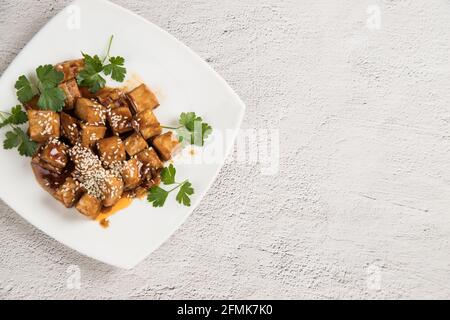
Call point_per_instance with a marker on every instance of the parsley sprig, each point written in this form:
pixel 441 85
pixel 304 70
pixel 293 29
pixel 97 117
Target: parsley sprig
pixel 94 66
pixel 51 97
pixel 16 137
pixel 157 195
pixel 192 129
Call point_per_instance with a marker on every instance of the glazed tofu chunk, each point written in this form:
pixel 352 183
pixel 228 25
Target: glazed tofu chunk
pixel 166 145
pixel 151 158
pixel 72 93
pixel 54 155
pixel 91 134
pixel 89 206
pixel 43 124
pixel 107 96
pixel 135 144
pixel 146 123
pixel 69 192
pixel 90 112
pixel 120 119
pixel 131 173
pixel 111 150
pixel 113 190
pixel 70 68
pixel 69 127
pixel 142 98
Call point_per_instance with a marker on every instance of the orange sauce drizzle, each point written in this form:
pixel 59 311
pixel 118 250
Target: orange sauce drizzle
pixel 102 218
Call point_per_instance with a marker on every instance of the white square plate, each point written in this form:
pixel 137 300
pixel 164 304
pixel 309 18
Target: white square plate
pixel 182 82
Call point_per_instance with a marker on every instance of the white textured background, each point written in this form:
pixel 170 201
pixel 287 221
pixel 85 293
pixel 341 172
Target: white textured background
pixel 360 206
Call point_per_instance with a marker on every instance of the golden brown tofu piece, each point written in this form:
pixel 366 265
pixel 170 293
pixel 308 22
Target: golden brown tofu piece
pixel 166 145
pixel 69 192
pixel 90 112
pixel 150 157
pixel 135 144
pixel 91 134
pixel 86 93
pixel 110 150
pixel 89 206
pixel 72 93
pixel 146 123
pixel 54 155
pixel 69 127
pixel 107 96
pixel 43 124
pixel 131 173
pixel 120 119
pixel 70 68
pixel 142 98
pixel 84 158
pixel 113 190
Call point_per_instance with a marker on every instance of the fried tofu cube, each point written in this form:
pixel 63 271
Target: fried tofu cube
pixel 142 98
pixel 69 192
pixel 150 157
pixel 166 145
pixel 135 144
pixel 89 206
pixel 55 156
pixel 72 93
pixel 131 173
pixel 70 68
pixel 146 123
pixel 43 124
pixel 113 190
pixel 107 96
pixel 79 154
pixel 89 111
pixel 111 150
pixel 86 93
pixel 120 119
pixel 91 134
pixel 69 127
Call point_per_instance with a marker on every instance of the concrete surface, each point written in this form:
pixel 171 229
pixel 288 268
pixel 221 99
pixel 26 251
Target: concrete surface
pixel 360 92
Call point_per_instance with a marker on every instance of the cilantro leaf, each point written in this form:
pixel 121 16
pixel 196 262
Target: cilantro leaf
pixel 24 89
pixel 48 76
pixel 116 68
pixel 183 194
pixel 90 76
pixel 27 146
pixel 168 175
pixel 17 116
pixel 193 130
pixel 12 140
pixel 52 99
pixel 18 138
pixel 157 196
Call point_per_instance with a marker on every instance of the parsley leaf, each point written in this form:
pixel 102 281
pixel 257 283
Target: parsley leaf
pixel 48 76
pixel 157 196
pixel 52 99
pixel 193 130
pixel 116 68
pixel 12 140
pixel 168 175
pixel 17 116
pixel 183 195
pixel 18 138
pixel 90 75
pixel 24 90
